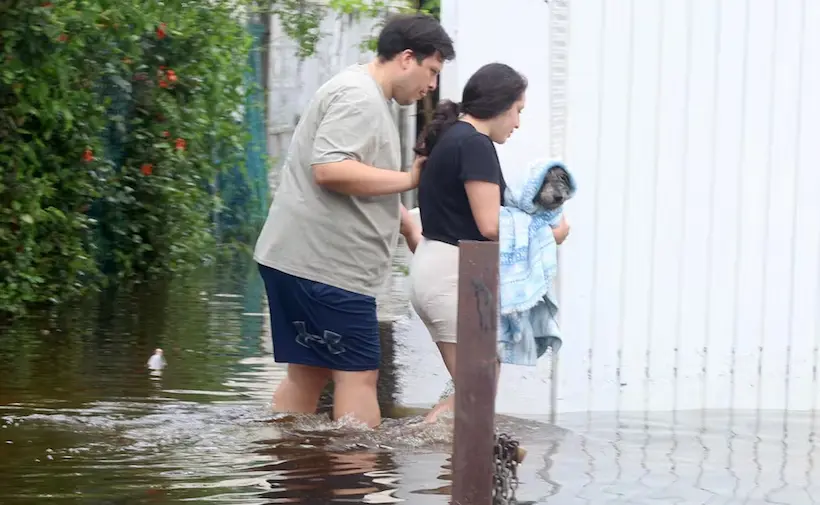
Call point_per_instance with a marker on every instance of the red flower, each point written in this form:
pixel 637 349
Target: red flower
pixel 163 83
pixel 161 31
pixel 147 169
pixel 180 144
pixel 88 155
pixel 47 5
pixel 63 37
pixel 172 76
pixel 166 134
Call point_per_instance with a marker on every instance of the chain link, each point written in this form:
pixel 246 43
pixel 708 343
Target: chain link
pixel 505 476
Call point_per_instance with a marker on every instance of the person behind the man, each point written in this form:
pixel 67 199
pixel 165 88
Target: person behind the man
pixel 327 243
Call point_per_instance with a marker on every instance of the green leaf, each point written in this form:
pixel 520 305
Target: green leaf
pixel 65 97
pixel 122 83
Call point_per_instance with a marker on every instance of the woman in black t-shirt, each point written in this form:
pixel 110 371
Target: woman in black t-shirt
pixel 461 190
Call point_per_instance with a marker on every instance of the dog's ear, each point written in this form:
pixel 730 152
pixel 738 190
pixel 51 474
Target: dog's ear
pixel 561 174
pixel 543 185
pixel 537 198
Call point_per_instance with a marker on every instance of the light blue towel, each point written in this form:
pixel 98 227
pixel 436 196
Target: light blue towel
pixel 527 267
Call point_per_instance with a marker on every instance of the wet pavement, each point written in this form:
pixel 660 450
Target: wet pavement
pixel 83 420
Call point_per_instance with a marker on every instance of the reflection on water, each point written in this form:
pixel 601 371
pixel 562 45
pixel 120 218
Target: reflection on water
pixel 84 420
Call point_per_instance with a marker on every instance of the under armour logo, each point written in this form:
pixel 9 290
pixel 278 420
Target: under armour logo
pixel 331 340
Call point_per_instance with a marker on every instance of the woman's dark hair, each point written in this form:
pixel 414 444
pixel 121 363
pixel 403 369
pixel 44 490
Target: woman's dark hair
pixel 489 92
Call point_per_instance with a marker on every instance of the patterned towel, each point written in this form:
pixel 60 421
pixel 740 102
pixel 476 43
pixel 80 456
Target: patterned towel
pixel 527 267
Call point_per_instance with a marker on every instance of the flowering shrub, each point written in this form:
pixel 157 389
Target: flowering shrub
pixel 115 118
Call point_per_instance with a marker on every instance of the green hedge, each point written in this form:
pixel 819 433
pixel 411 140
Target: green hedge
pixel 113 115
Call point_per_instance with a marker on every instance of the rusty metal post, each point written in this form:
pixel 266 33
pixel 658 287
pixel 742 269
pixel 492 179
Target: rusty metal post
pixel 475 379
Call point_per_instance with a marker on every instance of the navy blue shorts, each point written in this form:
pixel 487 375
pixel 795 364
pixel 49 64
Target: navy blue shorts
pixel 319 325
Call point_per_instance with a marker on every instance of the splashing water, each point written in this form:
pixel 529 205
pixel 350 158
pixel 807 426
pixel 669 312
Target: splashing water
pixel 81 422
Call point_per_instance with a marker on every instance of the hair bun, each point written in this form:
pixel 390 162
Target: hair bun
pixel 446 109
pixel 445 115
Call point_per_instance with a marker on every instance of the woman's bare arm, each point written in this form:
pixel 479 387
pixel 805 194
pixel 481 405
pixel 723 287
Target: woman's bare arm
pixel 485 203
pixel 561 231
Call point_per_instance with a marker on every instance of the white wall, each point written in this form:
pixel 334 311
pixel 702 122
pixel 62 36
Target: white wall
pixel 484 33
pixel 692 275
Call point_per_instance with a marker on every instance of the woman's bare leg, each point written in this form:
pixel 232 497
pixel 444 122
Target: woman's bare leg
pixel 448 354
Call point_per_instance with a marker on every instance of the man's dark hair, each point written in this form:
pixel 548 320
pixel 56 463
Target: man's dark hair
pixel 419 33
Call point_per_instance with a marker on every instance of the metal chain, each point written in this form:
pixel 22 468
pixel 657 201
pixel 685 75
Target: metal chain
pixel 505 476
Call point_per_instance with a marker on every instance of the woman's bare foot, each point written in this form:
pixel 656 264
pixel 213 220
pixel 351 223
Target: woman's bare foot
pixel 445 406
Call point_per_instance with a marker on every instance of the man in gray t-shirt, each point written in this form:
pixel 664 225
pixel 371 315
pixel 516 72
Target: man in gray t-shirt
pixel 327 244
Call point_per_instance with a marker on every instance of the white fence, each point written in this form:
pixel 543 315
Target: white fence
pixel 691 278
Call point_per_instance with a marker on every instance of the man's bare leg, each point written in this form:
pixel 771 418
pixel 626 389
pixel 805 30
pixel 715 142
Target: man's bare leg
pixel 299 392
pixel 354 393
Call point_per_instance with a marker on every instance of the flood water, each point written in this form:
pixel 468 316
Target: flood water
pixel 82 420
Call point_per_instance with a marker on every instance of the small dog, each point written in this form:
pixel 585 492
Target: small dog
pixel 555 190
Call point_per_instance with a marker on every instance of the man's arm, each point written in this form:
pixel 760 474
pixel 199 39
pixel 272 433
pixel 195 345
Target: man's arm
pixel 410 230
pixel 346 132
pixel 354 178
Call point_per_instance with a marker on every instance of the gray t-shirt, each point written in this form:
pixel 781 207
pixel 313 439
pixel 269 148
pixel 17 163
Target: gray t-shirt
pixel 328 237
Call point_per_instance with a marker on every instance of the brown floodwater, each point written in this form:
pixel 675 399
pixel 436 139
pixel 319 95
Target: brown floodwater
pixel 83 420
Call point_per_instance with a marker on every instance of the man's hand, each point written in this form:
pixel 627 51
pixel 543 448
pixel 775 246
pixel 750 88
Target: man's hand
pixel 561 231
pixel 415 171
pixel 409 229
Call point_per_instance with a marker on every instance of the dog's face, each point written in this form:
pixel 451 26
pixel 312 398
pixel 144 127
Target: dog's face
pixel 555 190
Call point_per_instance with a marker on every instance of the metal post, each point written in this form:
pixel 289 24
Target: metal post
pixel 559 76
pixel 475 379
pixel 267 56
pixel 407 135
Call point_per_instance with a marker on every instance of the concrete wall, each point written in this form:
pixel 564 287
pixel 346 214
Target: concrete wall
pixel 293 80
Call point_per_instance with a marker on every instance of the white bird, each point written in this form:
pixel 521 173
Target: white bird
pixel 157 361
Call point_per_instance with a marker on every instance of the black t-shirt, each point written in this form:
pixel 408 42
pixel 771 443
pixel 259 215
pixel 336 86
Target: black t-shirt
pixel 462 154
